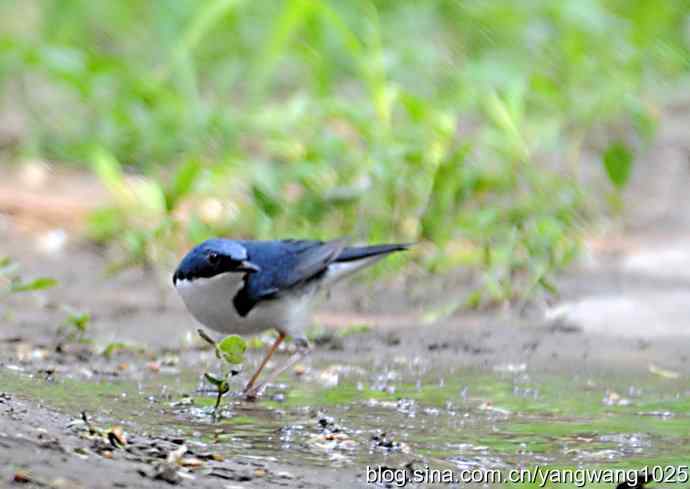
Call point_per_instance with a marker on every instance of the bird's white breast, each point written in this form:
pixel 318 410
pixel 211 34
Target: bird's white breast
pixel 210 301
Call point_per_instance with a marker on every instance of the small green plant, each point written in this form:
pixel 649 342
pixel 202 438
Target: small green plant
pixel 76 324
pixel 355 329
pixel 116 347
pixel 230 351
pixel 12 282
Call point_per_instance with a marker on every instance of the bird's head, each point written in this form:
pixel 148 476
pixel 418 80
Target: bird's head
pixel 214 257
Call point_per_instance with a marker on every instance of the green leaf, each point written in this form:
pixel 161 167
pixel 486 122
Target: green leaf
pixel 113 348
pixel 355 329
pixel 618 163
pixel 232 349
pixel 474 300
pixel 255 343
pixel 547 285
pixel 79 320
pixel 109 172
pixel 446 192
pixel 265 201
pixel 38 284
pixel 213 380
pixel 182 183
pixel 7 266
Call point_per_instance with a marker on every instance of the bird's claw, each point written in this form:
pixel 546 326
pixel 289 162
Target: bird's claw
pixel 252 393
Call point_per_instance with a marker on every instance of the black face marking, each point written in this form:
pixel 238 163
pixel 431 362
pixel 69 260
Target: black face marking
pixel 212 258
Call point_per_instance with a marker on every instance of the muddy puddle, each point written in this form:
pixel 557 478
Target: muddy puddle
pixel 357 415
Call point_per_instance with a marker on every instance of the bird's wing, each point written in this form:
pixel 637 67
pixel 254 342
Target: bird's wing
pixel 285 265
pixel 313 261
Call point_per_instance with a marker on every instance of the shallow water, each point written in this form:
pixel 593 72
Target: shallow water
pixel 352 416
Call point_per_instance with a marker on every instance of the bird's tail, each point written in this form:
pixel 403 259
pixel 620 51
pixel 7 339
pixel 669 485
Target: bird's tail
pixel 351 253
pixel 354 258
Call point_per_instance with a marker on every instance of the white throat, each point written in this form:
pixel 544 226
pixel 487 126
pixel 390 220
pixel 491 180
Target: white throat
pixel 210 299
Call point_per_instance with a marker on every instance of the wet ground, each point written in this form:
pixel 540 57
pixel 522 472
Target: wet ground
pixel 597 378
pixel 490 390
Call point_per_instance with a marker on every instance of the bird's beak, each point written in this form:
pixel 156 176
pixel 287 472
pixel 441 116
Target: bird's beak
pixel 247 266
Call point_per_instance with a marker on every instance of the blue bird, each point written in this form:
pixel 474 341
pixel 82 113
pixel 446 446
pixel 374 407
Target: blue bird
pixel 246 287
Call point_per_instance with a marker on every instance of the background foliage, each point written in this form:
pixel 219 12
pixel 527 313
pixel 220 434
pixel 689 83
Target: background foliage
pixel 462 124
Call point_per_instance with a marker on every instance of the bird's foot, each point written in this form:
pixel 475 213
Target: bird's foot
pixel 252 392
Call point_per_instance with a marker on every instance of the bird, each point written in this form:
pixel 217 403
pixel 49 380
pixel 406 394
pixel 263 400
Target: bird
pixel 246 287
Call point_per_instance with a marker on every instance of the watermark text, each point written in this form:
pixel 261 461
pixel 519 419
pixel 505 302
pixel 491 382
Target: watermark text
pixel 579 477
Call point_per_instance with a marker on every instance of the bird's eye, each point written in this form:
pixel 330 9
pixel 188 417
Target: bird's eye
pixel 213 258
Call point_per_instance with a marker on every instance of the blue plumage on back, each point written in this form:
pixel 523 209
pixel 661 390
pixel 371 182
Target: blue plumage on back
pixel 284 266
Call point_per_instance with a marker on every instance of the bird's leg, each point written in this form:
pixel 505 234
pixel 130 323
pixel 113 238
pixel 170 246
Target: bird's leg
pixel 303 348
pixel 269 354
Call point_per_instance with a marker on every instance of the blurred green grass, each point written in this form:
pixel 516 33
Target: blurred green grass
pixel 461 124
